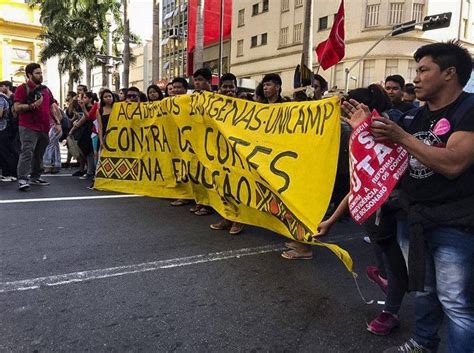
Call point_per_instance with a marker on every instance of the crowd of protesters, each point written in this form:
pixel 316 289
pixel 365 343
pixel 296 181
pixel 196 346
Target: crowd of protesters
pixel 431 212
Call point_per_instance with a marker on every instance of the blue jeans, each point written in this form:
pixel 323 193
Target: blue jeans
pixel 449 288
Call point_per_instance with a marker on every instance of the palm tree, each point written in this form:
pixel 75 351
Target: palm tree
pixel 126 41
pixel 155 56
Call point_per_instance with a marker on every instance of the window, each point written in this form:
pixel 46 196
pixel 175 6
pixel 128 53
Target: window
pixel 391 67
pixel 417 14
pixel 263 40
pixel 369 72
pixel 297 33
pixel 411 74
pixel 285 5
pixel 372 15
pixel 396 13
pixel 284 36
pixel 240 47
pixel 255 10
pixel 254 42
pixel 298 3
pixel 241 18
pixel 265 6
pixel 323 23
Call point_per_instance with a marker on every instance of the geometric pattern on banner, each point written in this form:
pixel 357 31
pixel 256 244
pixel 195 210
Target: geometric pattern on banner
pixel 118 168
pixel 268 202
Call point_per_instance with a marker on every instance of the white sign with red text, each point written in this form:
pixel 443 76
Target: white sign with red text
pixel 376 169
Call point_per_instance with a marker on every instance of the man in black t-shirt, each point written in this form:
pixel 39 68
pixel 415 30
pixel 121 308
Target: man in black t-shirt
pixel 272 88
pixel 438 196
pixel 394 86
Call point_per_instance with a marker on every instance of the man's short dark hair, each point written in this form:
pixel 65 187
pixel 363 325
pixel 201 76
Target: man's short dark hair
pixel 84 87
pixel 396 78
pixel 275 78
pixel 204 72
pixel 228 77
pixel 31 67
pixel 7 84
pixel 409 88
pixel 181 80
pixel 71 94
pixel 322 82
pixel 446 55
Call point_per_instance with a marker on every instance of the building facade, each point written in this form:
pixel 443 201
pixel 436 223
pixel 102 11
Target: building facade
pixel 19 43
pixel 141 70
pixel 267 37
pixel 174 31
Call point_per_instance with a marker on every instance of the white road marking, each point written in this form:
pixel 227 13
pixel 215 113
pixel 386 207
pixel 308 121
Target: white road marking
pixel 56 175
pixel 69 198
pixel 82 276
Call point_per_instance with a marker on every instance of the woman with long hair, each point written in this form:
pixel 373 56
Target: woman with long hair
pixel 154 93
pixel 82 130
pixel 107 100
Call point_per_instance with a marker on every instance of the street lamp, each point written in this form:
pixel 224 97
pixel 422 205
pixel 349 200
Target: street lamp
pixel 120 46
pixel 98 42
pixel 108 60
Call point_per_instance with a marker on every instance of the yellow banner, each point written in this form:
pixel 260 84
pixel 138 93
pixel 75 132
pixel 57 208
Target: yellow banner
pixel 272 166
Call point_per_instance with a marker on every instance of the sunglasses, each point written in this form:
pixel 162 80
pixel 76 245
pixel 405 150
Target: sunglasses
pixel 133 95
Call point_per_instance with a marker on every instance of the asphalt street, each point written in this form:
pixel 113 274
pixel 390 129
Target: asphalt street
pixel 88 274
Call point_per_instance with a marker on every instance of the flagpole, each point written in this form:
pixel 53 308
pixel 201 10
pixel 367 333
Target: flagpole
pixel 221 38
pixel 308 35
pixel 348 70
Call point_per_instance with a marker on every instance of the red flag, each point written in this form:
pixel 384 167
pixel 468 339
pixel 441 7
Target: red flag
pixel 332 50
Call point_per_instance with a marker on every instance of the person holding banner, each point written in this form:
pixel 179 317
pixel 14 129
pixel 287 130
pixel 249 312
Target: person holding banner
pixel 180 86
pixel 390 273
pixel 271 84
pixel 202 82
pixel 228 87
pixel 437 196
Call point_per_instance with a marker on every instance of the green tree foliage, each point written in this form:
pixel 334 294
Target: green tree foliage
pixel 70 29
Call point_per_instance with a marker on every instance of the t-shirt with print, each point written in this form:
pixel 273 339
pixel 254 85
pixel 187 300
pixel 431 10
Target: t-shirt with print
pixel 38 119
pixel 93 117
pixel 423 185
pixel 4 106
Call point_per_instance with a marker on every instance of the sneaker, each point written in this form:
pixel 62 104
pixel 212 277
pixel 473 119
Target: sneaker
pixel 23 184
pixel 79 173
pixel 224 224
pixel 409 346
pixel 7 178
pixel 373 275
pixel 236 228
pixel 39 181
pixel 86 177
pixel 383 324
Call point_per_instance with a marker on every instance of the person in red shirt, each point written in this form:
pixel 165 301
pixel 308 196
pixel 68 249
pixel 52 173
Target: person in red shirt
pixel 84 128
pixel 34 104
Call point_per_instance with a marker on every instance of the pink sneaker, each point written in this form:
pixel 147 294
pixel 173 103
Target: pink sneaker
pixel 383 324
pixel 374 276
